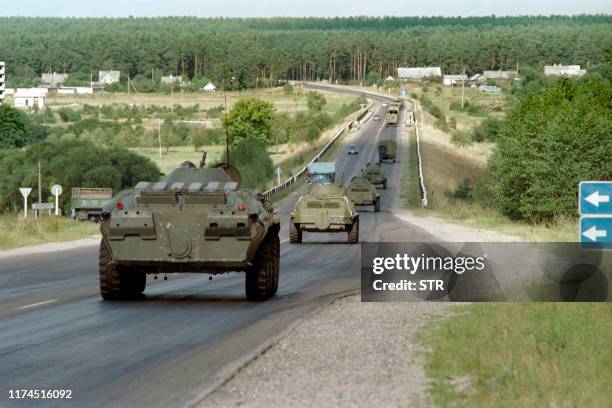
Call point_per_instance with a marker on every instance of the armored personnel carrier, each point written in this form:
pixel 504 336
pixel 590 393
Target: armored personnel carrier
pixel 361 192
pixel 326 208
pixel 387 151
pixel 392 116
pixel 196 220
pixel 375 174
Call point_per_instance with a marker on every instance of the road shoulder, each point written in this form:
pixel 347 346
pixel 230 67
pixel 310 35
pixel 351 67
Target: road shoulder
pixel 50 247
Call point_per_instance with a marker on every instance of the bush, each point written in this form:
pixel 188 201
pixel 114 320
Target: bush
pixel 452 122
pixel 71 163
pixel 548 143
pixel 251 158
pixel 69 115
pixel 442 125
pixel 455 105
pixel 315 101
pixel 460 138
pixel 464 191
pixel 486 130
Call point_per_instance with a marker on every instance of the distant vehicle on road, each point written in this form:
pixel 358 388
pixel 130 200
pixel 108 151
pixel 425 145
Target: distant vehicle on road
pixel 376 117
pixel 353 150
pixel 195 220
pixel 87 203
pixel 392 116
pixel 326 208
pixel 385 105
pixel 361 192
pixel 387 150
pixel 375 174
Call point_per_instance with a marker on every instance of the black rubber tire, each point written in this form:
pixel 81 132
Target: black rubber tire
pixel 384 185
pixel 377 205
pixel 118 282
pixel 262 277
pixel 353 232
pixel 295 234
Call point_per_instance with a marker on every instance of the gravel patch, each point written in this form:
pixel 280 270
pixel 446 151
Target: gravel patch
pixel 350 354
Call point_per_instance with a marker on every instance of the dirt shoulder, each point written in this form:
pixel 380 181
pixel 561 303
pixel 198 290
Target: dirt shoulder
pixel 51 247
pixel 348 354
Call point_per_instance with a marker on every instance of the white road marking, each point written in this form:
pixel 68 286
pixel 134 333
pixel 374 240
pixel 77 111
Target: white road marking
pixel 46 302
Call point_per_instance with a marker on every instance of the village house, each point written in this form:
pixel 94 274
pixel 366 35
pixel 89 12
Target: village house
pixel 564 70
pixel 478 79
pixel 30 98
pixel 209 87
pixel 499 74
pixel 53 79
pixel 109 77
pixel 172 80
pixel 418 73
pixel 450 80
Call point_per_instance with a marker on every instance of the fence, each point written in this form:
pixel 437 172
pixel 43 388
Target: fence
pixel 293 179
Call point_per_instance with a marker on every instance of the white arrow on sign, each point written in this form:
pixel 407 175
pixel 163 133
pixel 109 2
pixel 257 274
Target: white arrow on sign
pixel 593 233
pixel 596 198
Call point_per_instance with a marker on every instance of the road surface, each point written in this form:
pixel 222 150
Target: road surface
pixel 187 333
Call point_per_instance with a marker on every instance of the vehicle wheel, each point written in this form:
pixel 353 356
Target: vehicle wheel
pixel 377 205
pixel 262 277
pixel 384 185
pixel 295 234
pixel 353 232
pixel 393 160
pixel 118 282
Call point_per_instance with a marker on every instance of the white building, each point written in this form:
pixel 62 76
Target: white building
pixel 172 79
pixel 418 73
pixel 2 81
pixel 499 74
pixel 30 98
pixel 109 77
pixel 209 87
pixel 564 70
pixel 450 80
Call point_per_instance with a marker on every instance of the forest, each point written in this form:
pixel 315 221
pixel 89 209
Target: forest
pixel 262 52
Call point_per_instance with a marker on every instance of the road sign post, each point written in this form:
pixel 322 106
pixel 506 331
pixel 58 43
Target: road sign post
pixel 595 208
pixel 56 189
pixel 25 192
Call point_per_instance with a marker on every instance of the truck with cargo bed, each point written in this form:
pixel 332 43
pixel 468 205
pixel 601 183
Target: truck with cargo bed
pixel 87 203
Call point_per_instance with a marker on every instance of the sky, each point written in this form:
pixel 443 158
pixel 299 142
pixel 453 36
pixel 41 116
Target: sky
pixel 298 8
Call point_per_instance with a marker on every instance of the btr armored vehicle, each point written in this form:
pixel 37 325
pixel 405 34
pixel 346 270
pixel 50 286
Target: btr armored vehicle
pixel 361 192
pixel 375 174
pixel 387 150
pixel 326 207
pixel 196 220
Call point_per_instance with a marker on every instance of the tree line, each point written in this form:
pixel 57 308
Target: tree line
pixel 260 52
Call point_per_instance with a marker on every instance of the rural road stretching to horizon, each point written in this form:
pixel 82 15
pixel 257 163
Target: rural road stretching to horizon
pixel 181 339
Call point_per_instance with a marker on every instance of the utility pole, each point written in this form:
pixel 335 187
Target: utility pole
pixel 462 86
pixel 39 188
pixel 128 83
pixel 277 142
pixel 159 137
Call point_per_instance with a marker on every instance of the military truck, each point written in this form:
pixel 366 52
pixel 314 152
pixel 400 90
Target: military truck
pixel 326 207
pixel 195 220
pixel 361 192
pixel 392 116
pixel 87 203
pixel 387 151
pixel 375 174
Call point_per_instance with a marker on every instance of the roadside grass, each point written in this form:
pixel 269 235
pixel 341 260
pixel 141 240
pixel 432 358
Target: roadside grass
pixel 173 158
pixel 520 355
pixel 410 191
pixel 15 231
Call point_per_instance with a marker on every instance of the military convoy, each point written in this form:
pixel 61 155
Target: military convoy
pixel 387 151
pixel 361 192
pixel 392 116
pixel 196 220
pixel 326 207
pixel 87 203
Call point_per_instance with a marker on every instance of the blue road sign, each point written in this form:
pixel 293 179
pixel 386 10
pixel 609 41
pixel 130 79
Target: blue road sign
pixel 404 92
pixel 596 232
pixel 595 198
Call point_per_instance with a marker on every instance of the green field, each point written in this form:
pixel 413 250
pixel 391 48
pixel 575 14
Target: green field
pixel 521 355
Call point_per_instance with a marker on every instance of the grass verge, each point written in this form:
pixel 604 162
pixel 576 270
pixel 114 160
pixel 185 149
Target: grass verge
pixel 15 231
pixel 521 355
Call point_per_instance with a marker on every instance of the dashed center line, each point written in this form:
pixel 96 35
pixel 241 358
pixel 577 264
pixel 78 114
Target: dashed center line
pixel 46 302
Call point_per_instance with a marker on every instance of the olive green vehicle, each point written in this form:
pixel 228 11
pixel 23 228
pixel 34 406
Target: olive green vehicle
pixel 326 208
pixel 196 220
pixel 387 151
pixel 375 174
pixel 361 192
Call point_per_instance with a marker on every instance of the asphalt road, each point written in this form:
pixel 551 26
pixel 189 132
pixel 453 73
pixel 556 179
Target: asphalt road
pixel 181 339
